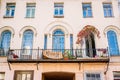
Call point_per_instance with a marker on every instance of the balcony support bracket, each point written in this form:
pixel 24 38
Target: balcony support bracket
pixel 37 66
pixel 9 66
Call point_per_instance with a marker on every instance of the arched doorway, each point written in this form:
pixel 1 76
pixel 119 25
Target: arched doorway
pixel 58 40
pixel 58 76
pixel 90 45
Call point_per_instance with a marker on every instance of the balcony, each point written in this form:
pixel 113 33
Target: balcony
pixel 50 55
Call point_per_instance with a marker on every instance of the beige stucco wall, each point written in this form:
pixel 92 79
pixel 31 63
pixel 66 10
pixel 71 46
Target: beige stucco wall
pixel 72 23
pixel 79 69
pixel 45 23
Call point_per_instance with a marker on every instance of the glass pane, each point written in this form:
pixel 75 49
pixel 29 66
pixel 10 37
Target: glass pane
pixel 30 10
pixel 107 10
pixel 45 42
pixel 10 10
pixel 113 44
pixel 28 76
pixel 58 9
pixel 61 11
pixel 28 13
pixel 33 12
pixel 5 41
pixel 87 12
pixel 56 12
pixel 2 76
pixel 19 77
pixel 12 13
pixel 23 76
pixel 58 40
pixel 28 39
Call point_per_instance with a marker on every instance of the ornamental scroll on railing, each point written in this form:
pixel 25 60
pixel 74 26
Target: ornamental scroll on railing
pixel 85 32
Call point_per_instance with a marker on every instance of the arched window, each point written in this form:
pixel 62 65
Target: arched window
pixel 112 42
pixel 58 40
pixel 27 39
pixel 5 41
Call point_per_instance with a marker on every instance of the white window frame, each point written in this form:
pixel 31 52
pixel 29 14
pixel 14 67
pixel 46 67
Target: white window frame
pixel 92 73
pixel 8 7
pixel 58 8
pixel 116 73
pixel 107 10
pixel 23 75
pixel 2 74
pixel 87 10
pixel 31 8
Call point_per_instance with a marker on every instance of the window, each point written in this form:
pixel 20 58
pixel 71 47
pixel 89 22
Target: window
pixel 112 42
pixel 119 6
pixel 27 42
pixel 71 44
pixel 10 10
pixel 71 41
pixel 87 11
pixel 2 76
pixel 30 10
pixel 23 75
pixel 5 42
pixel 93 76
pixel 58 10
pixel 58 40
pixel 116 75
pixel 45 42
pixel 107 10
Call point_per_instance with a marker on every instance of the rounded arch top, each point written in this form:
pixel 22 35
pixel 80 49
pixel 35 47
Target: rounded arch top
pixel 66 28
pixel 7 28
pixel 28 28
pixel 113 28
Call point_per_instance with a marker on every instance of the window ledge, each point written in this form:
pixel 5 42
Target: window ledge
pixel 58 16
pixel 108 16
pixel 8 16
pixel 88 17
pixel 30 17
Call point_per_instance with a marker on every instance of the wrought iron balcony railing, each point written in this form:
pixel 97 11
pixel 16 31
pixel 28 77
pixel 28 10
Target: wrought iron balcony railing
pixel 57 55
pixel 3 52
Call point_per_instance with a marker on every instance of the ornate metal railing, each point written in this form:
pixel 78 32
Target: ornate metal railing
pixel 4 52
pixel 59 54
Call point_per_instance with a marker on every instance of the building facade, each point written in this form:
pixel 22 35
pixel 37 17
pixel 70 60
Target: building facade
pixel 59 39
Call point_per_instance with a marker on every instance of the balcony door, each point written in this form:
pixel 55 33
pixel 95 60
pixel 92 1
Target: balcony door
pixel 58 40
pixel 90 45
pixel 5 41
pixel 27 42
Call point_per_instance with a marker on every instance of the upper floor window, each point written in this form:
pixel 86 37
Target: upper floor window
pixel 2 76
pixel 87 10
pixel 108 12
pixel 23 75
pixel 30 10
pixel 58 10
pixel 10 10
pixel 113 43
pixel 93 76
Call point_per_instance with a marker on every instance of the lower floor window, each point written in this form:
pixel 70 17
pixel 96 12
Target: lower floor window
pixel 93 76
pixel 116 75
pixel 23 75
pixel 2 76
